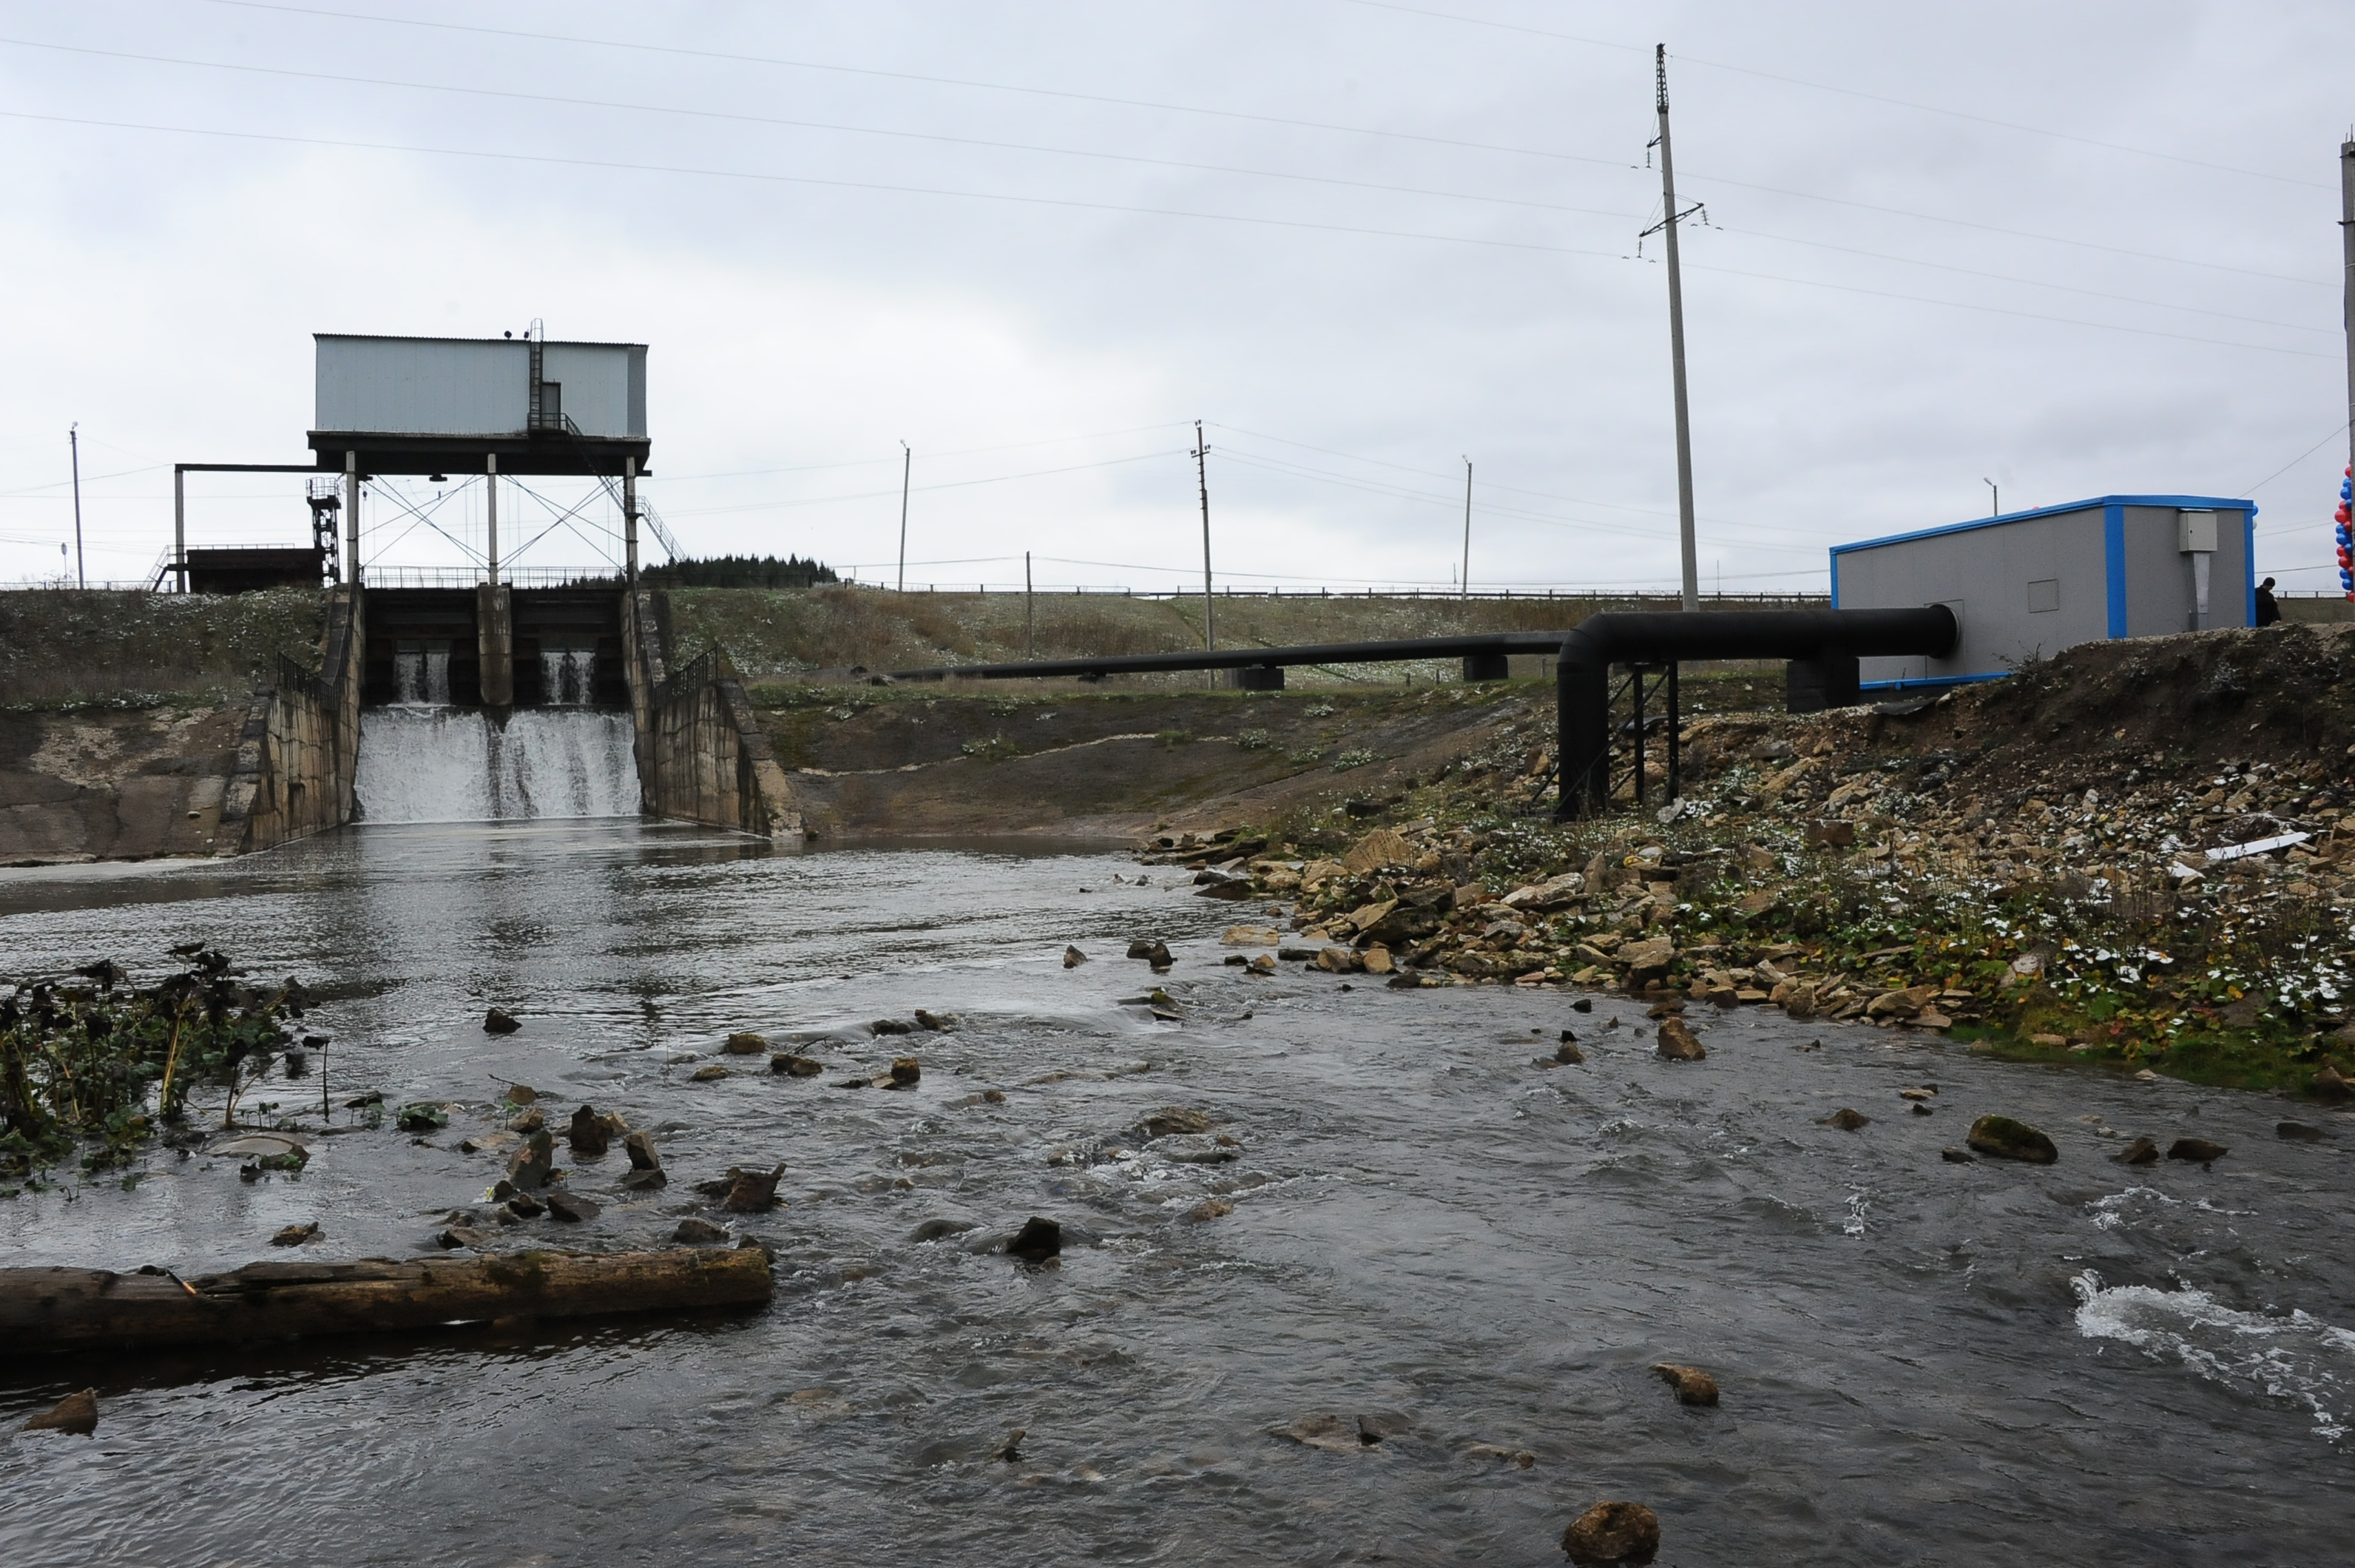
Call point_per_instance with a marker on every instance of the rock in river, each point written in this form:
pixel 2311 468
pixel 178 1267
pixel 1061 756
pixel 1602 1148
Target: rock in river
pixel 77 1414
pixel 588 1134
pixel 1343 1434
pixel 2299 1132
pixel 1173 1119
pixel 1073 958
pixel 1611 1533
pixel 1038 1240
pixel 295 1235
pixel 1846 1120
pixel 528 1166
pixel 2199 1149
pixel 2142 1151
pixel 2011 1140
pixel 745 1044
pixel 752 1191
pixel 1677 1042
pixel 695 1233
pixel 798 1066
pixel 645 1165
pixel 498 1021
pixel 1693 1386
pixel 571 1206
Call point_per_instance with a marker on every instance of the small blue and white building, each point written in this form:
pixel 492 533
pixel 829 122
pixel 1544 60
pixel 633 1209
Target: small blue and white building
pixel 2026 585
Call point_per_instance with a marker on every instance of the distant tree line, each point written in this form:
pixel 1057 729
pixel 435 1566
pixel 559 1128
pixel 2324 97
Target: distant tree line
pixel 739 572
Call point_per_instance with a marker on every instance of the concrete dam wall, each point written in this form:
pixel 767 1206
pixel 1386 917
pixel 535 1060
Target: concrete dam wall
pixel 703 756
pixel 426 705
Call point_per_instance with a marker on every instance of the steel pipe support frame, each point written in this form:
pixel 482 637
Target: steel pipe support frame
pixel 1821 638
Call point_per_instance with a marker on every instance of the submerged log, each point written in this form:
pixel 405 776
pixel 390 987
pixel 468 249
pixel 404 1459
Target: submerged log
pixel 48 1310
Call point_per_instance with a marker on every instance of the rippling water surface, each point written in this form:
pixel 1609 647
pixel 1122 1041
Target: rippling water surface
pixel 1922 1361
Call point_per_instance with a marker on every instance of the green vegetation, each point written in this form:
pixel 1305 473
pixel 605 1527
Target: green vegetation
pixel 95 1061
pixel 739 572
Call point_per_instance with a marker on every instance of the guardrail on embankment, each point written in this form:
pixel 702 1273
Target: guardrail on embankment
pixel 702 755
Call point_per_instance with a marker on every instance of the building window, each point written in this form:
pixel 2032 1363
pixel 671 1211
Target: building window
pixel 2044 595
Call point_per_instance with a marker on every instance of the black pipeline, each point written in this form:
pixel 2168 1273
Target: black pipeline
pixel 1484 656
pixel 1823 646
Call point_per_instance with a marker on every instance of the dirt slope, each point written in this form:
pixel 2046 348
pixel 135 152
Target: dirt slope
pixel 1101 765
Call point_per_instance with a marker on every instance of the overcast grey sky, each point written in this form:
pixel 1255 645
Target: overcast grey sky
pixel 2074 248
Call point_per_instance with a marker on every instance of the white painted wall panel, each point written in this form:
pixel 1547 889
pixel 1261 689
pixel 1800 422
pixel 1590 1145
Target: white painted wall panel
pixel 596 381
pixel 425 386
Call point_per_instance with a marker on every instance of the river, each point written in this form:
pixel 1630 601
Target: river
pixel 1922 1361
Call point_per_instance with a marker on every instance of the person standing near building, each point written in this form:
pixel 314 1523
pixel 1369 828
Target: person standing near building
pixel 2268 611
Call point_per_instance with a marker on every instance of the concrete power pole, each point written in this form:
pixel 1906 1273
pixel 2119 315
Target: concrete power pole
pixel 907 467
pixel 73 442
pixel 1669 218
pixel 2346 241
pixel 1202 476
pixel 1463 588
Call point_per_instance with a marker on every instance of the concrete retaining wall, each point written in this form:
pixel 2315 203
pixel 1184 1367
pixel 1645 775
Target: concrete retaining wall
pixel 702 753
pixel 296 756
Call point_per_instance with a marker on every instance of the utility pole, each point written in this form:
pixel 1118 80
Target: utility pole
pixel 907 467
pixel 1029 615
pixel 1995 495
pixel 1669 218
pixel 73 442
pixel 1466 584
pixel 2346 240
pixel 1202 477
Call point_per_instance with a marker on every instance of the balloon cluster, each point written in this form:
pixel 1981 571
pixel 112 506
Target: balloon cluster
pixel 2346 539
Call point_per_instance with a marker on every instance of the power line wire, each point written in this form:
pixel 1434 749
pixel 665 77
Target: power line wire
pixel 1072 202
pixel 2007 278
pixel 1999 310
pixel 921 489
pixel 1853 93
pixel 1085 153
pixel 2310 452
pixel 959 452
pixel 641 47
pixel 2138 254
pixel 544 158
pixel 812 125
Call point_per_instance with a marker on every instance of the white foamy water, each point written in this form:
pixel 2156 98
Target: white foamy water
pixel 454 765
pixel 2298 1357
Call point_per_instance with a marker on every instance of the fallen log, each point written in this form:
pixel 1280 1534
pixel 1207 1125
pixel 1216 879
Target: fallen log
pixel 48 1310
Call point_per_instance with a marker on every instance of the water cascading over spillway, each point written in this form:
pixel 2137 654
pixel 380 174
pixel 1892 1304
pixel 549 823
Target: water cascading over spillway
pixel 565 676
pixel 422 673
pixel 434 763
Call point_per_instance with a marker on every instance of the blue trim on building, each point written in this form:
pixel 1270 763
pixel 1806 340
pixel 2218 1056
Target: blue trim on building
pixel 2113 566
pixel 2249 560
pixel 2195 502
pixel 1835 579
pixel 1929 683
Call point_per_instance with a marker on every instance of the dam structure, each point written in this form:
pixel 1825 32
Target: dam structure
pixel 469 697
pixel 431 751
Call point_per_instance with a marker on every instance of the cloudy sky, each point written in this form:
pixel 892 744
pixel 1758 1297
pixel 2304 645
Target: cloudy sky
pixel 2071 249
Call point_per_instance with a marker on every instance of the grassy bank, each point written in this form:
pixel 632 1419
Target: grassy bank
pixel 782 633
pixel 64 646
